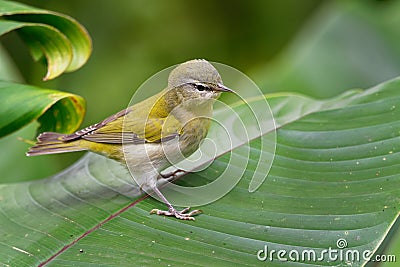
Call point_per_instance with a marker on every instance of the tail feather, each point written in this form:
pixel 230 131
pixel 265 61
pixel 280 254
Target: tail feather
pixel 50 136
pixel 52 143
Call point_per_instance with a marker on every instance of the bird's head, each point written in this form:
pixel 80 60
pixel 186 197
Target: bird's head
pixel 196 79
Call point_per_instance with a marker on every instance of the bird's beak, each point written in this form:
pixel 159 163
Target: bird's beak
pixel 223 88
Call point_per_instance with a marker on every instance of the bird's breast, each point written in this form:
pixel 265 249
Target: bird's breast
pixel 192 133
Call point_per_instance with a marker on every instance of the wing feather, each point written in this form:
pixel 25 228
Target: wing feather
pixel 136 130
pixel 93 128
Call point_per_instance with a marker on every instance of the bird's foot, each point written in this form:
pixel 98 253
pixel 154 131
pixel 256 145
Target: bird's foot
pixel 173 174
pixel 181 215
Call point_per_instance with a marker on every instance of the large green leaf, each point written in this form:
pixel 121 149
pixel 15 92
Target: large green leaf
pixel 63 41
pixel 335 175
pixel 345 44
pixel 55 110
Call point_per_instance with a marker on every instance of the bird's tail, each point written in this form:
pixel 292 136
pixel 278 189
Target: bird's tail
pixel 52 143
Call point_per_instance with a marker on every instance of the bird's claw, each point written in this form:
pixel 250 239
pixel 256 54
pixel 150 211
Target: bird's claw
pixel 173 174
pixel 181 215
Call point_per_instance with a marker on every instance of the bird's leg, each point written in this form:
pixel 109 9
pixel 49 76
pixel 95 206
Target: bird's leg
pixel 182 215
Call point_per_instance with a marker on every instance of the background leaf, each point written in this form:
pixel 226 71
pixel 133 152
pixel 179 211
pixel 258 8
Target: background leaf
pixel 66 46
pixel 22 104
pixel 63 41
pixel 334 176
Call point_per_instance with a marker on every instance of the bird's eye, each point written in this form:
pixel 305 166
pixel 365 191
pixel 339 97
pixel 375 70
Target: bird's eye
pixel 201 87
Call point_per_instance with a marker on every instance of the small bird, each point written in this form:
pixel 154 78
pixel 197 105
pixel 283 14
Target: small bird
pixel 151 135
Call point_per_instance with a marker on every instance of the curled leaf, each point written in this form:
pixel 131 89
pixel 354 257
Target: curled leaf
pixel 63 42
pixel 55 110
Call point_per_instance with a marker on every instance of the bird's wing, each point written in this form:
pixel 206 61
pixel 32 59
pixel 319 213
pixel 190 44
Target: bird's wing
pixel 95 127
pixel 137 129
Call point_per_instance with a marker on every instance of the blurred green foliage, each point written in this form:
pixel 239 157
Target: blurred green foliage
pixel 346 44
pixel 133 40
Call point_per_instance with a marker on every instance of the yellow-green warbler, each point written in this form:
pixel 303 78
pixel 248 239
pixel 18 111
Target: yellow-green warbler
pixel 149 135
